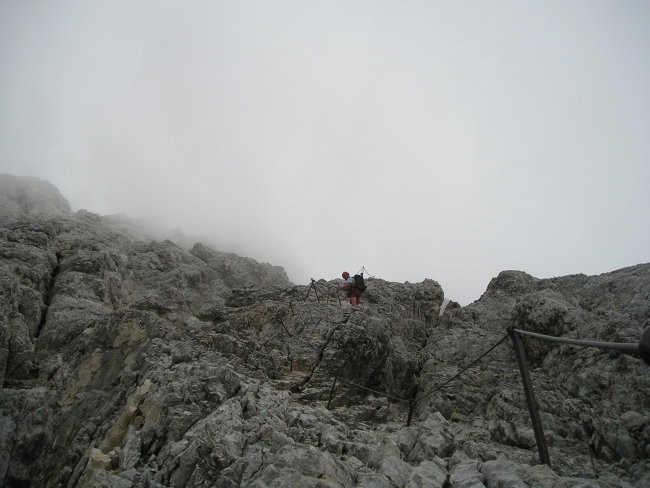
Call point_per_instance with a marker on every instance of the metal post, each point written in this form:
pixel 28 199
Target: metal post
pixel 644 346
pixel 309 290
pixel 410 416
pixel 315 289
pixel 327 295
pixel 531 401
pixel 331 394
pixel 285 328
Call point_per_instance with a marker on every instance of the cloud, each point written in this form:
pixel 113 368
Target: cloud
pixel 448 141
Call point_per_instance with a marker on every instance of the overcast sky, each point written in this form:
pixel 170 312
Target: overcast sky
pixel 421 139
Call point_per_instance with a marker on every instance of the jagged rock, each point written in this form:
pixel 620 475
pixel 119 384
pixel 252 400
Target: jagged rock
pixel 501 473
pixel 131 362
pixel 634 421
pixel 428 474
pixel 583 393
pixel 466 475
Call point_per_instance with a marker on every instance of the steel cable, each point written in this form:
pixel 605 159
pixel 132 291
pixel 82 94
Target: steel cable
pixel 462 370
pixel 374 391
pixel 616 346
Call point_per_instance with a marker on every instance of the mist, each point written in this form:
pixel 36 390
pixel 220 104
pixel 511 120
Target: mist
pixel 443 140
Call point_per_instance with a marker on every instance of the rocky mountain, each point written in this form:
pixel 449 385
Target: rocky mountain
pixel 139 363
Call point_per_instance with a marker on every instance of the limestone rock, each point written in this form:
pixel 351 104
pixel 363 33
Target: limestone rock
pixel 428 474
pixel 131 362
pixel 24 196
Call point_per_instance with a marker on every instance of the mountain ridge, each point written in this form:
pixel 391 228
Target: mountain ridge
pixel 139 363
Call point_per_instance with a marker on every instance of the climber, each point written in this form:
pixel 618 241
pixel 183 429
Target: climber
pixel 354 294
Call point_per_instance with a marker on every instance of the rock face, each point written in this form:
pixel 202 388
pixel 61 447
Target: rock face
pixel 129 363
pixel 22 196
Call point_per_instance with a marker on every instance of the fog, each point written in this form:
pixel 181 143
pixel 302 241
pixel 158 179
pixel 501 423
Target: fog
pixel 420 139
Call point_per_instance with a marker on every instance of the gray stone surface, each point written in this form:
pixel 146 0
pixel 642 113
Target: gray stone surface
pixel 140 363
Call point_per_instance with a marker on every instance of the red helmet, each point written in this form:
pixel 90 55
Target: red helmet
pixel 345 275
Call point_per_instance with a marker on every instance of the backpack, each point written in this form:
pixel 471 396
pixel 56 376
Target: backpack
pixel 359 283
